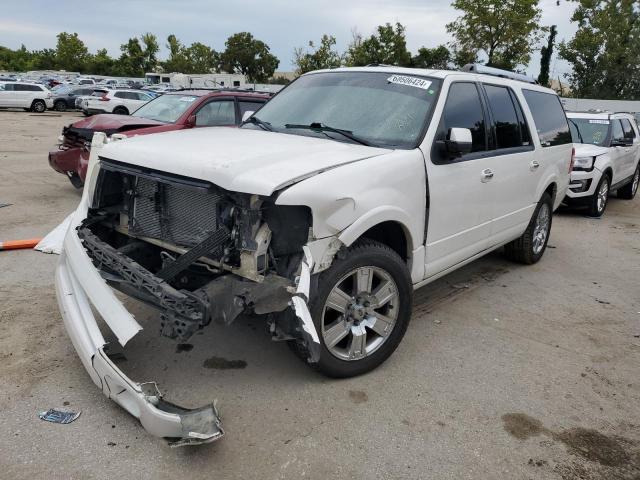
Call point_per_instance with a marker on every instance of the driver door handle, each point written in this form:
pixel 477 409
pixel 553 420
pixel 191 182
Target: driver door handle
pixel 534 165
pixel 486 175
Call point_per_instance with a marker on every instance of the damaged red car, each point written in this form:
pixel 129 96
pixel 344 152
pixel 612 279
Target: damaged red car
pixel 172 111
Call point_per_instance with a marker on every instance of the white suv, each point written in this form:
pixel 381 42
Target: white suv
pixel 324 211
pixel 29 96
pixel 607 156
pixel 121 102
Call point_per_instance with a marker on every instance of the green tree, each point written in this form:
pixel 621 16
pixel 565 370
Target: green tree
pixel 545 57
pixel 201 58
pixel 605 51
pixel 322 56
pixel 388 46
pixel 437 58
pixel 150 51
pixel 506 31
pixel 43 59
pixel 132 60
pixel 101 63
pixel 249 56
pixel 71 52
pixel 177 61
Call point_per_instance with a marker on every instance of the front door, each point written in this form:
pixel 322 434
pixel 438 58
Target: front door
pixel 460 189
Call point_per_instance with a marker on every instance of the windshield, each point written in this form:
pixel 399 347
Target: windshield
pixel 383 109
pixel 167 108
pixel 589 130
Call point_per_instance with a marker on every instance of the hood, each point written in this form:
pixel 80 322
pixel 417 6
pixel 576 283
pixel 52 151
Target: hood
pixel 239 160
pixel 588 150
pixel 114 123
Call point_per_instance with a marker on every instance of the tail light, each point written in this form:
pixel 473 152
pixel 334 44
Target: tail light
pixel 573 159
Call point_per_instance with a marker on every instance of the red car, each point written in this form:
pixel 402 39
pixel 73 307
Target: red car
pixel 171 111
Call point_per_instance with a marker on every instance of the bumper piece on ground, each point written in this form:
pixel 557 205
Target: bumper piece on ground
pixel 76 293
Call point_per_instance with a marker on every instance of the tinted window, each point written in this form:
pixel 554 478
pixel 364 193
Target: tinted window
pixel 7 87
pixel 121 95
pixel 548 115
pixel 505 119
pixel 464 110
pixel 216 113
pixel 628 129
pixel 617 133
pixel 248 106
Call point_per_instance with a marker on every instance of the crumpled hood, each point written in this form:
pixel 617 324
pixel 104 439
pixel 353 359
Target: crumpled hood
pixel 110 122
pixel 588 150
pixel 239 160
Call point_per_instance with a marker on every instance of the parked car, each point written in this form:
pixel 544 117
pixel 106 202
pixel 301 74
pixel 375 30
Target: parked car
pixel 120 102
pixel 607 159
pixel 85 81
pixel 173 111
pixel 28 96
pixel 333 202
pixel 65 98
pixel 95 92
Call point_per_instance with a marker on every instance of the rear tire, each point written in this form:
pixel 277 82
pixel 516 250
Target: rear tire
pixel 360 335
pixel 630 189
pixel 530 247
pixel 38 106
pixel 598 202
pixel 60 106
pixel 121 111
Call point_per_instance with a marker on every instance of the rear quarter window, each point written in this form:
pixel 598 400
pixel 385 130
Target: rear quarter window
pixel 549 117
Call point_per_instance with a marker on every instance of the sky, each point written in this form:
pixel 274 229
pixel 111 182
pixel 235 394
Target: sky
pixel 281 24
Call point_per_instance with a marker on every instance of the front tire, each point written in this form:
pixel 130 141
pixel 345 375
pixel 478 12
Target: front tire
pixel 598 202
pixel 630 189
pixel 361 309
pixel 121 111
pixel 530 247
pixel 38 106
pixel 60 106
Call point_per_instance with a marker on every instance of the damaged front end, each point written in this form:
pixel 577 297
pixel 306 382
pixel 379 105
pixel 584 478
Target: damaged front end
pixel 193 251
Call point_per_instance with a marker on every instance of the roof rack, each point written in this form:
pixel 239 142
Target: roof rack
pixel 222 89
pixel 497 72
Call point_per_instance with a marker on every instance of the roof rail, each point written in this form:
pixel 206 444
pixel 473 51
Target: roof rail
pixel 222 89
pixel 379 65
pixel 497 72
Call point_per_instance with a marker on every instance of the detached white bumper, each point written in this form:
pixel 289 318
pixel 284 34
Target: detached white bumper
pixel 78 286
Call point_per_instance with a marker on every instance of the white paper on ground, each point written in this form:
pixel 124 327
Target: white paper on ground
pixel 52 242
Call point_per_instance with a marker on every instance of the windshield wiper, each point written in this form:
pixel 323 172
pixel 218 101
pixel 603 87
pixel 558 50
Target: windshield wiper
pixel 577 130
pixel 261 123
pixel 319 127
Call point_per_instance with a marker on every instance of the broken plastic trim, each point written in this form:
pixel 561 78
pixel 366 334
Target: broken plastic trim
pixel 299 301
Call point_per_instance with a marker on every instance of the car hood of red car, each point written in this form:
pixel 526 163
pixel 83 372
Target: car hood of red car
pixel 110 122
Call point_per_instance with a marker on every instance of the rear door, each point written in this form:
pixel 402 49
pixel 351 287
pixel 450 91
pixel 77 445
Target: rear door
pixel 21 95
pixel 632 151
pixel 460 191
pixel 620 153
pixel 515 168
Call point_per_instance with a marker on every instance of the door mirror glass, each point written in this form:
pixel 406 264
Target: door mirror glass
pixel 247 114
pixel 459 142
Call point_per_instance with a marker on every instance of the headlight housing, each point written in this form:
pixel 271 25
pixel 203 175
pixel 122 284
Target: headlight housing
pixel 584 164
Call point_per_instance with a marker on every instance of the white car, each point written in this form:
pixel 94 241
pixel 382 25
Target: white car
pixel 121 102
pixel 607 158
pixel 29 96
pixel 323 212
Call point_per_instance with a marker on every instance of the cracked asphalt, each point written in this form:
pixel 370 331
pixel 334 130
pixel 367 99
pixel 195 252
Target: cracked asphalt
pixel 506 371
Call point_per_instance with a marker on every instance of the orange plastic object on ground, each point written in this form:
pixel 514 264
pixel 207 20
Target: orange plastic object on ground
pixel 18 244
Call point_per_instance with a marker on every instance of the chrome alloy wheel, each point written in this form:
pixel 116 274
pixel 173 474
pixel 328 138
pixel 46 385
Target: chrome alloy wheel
pixel 360 313
pixel 541 229
pixel 603 194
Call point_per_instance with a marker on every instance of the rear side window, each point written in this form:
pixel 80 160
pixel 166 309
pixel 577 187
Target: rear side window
pixel 506 122
pixel 628 129
pixel 548 115
pixel 248 106
pixel 214 113
pixel 464 110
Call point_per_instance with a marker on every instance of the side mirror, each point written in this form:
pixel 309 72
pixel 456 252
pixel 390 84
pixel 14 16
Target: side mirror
pixel 621 142
pixel 247 114
pixel 191 121
pixel 458 142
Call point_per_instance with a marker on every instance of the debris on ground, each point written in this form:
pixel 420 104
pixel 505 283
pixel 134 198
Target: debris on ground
pixel 5 204
pixel 59 416
pixel 19 244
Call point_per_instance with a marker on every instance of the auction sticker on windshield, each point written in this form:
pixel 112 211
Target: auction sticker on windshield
pixel 410 81
pixel 187 99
